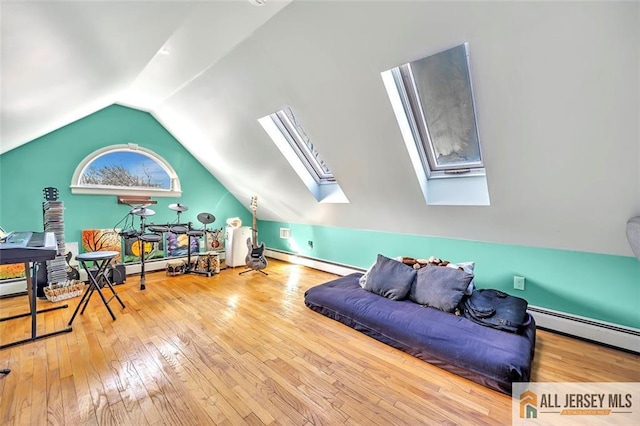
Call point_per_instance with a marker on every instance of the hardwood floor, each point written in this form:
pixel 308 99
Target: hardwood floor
pixel 234 350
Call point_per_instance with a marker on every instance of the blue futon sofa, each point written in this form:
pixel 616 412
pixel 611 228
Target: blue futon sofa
pixel 485 355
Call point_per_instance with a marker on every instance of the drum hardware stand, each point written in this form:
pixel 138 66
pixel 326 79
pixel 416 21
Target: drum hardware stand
pixel 205 219
pixel 143 238
pixel 178 208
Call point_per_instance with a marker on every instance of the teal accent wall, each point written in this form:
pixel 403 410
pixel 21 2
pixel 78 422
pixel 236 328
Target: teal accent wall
pixel 597 286
pixel 52 159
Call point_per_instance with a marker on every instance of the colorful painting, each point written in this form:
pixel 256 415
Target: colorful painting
pixel 177 244
pixel 215 239
pixel 133 247
pixel 15 270
pixel 102 240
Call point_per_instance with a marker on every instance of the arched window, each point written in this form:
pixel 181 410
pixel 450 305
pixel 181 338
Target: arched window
pixel 126 169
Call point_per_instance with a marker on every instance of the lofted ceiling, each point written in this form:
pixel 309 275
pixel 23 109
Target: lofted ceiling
pixel 64 60
pixel 207 70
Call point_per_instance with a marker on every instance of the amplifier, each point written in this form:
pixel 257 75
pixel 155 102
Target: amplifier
pixel 117 274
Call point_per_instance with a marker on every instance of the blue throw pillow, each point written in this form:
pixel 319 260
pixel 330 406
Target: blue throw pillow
pixel 390 278
pixel 440 287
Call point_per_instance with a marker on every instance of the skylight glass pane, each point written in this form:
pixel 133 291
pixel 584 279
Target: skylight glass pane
pixel 448 124
pixel 287 134
pixel 296 136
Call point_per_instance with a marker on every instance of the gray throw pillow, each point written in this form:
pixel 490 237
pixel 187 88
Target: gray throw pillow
pixel 390 278
pixel 440 287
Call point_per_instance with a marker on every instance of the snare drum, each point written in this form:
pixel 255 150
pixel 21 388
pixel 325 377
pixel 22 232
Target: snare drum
pixel 144 243
pixel 129 233
pixel 195 233
pixel 179 229
pixel 151 238
pixel 158 229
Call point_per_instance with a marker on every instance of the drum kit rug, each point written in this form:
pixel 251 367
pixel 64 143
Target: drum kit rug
pixel 153 233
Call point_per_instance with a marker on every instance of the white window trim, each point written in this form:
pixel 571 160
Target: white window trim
pixel 323 190
pixel 77 188
pixel 296 137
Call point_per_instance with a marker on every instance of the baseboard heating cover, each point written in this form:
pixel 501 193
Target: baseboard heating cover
pixel 598 331
pixel 615 335
pixel 321 265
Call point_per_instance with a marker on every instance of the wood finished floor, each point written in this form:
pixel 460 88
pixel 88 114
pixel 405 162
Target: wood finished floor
pixel 236 350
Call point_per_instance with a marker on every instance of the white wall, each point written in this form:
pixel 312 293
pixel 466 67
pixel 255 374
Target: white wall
pixel 557 92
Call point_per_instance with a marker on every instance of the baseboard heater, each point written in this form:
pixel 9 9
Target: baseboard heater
pixel 626 338
pixel 615 335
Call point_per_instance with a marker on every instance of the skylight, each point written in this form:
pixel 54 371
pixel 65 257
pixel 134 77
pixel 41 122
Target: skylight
pixel 287 133
pixel 299 141
pixel 433 102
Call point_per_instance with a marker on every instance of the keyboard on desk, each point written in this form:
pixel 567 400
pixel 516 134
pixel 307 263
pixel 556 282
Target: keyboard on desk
pixel 25 239
pixel 25 246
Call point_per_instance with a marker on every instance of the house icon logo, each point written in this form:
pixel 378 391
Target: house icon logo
pixel 528 405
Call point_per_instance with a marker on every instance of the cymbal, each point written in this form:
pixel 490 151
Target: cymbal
pixel 206 218
pixel 178 207
pixel 142 211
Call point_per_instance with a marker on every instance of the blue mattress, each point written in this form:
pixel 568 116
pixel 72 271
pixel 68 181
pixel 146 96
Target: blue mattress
pixel 485 355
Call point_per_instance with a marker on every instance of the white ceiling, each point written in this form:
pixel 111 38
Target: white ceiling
pixel 62 61
pixel 552 81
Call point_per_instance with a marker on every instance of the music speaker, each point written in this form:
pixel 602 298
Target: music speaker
pixel 117 274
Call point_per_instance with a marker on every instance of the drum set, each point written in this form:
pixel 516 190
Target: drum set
pixel 150 234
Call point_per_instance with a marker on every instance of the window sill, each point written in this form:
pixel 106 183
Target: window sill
pixel 124 191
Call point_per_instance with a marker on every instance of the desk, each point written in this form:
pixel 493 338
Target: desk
pixel 30 258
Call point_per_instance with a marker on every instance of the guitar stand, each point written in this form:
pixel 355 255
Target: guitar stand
pixel 251 269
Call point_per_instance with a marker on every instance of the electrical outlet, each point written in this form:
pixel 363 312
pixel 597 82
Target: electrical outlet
pixel 518 283
pixel 285 233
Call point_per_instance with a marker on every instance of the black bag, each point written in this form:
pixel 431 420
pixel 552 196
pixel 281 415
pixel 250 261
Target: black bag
pixel 494 308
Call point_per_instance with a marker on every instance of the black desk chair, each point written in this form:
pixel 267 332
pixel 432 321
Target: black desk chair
pixel 98 279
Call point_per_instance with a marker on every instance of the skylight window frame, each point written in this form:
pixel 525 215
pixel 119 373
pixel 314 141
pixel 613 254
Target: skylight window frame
pixel 287 134
pixel 302 147
pixel 461 187
pixel 409 95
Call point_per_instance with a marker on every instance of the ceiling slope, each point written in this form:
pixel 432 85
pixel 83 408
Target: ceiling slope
pixel 62 61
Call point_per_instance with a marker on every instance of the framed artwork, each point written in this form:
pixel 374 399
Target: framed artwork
pixel 177 244
pixel 102 240
pixel 15 270
pixel 134 247
pixel 214 239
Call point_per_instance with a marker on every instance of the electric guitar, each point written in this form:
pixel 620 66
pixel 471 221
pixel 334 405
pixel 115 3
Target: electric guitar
pixel 255 256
